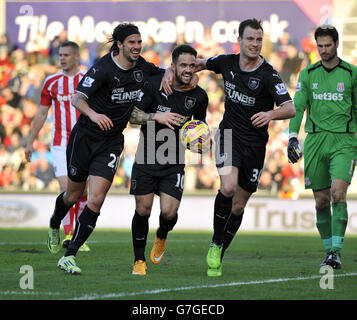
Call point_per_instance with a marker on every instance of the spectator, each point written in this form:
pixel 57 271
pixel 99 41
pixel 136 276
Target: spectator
pixel 207 177
pixel 309 47
pixel 291 66
pixel 208 47
pixel 153 52
pixel 4 156
pixel 266 182
pixel 30 182
pixel 55 46
pixel 12 98
pixel 42 152
pixel 282 45
pixel 6 45
pixel 37 49
pixel 45 172
pixel 7 175
pixel 88 58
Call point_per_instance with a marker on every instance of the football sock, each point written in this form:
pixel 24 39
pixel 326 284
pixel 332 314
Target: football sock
pixel 323 224
pixel 68 221
pixel 84 227
pixel 59 212
pixel 230 230
pixel 80 206
pixel 339 224
pixel 165 226
pixel 222 209
pixel 139 232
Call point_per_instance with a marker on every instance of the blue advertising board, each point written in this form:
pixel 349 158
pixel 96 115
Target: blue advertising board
pixel 93 22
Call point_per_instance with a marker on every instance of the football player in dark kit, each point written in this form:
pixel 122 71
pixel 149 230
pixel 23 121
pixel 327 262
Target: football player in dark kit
pixel 160 158
pixel 252 87
pixel 105 97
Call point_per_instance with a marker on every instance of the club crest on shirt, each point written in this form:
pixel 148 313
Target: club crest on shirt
pixel 138 75
pixel 253 83
pixel 340 87
pixel 190 102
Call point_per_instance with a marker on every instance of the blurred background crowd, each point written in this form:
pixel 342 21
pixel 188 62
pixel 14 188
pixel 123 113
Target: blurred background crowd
pixel 22 73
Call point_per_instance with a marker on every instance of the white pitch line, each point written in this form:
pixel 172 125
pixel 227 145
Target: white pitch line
pixel 230 284
pixel 162 290
pixel 30 292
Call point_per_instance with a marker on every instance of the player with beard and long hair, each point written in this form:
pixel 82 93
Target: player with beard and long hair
pixel 105 97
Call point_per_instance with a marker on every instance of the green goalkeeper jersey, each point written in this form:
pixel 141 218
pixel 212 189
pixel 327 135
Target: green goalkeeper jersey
pixel 329 95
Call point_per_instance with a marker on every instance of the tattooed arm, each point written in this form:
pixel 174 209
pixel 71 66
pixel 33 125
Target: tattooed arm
pixel 167 118
pixel 80 103
pixel 140 117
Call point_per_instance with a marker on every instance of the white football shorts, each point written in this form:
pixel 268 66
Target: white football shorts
pixel 59 160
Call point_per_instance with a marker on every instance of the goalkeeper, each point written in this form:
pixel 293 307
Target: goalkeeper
pixel 326 90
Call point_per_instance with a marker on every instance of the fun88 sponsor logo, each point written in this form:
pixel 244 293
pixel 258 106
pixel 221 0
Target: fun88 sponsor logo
pixel 328 96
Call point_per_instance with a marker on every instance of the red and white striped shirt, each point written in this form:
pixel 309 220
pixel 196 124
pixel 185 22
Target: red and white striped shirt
pixel 58 90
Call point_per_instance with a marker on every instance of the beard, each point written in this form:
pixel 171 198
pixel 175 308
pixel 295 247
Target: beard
pixel 330 58
pixel 126 54
pixel 179 79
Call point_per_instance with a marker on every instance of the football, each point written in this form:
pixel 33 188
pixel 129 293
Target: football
pixel 195 136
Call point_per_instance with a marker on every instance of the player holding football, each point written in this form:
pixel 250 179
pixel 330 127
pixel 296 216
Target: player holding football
pixel 160 159
pixel 327 89
pixel 57 92
pixel 252 87
pixel 105 97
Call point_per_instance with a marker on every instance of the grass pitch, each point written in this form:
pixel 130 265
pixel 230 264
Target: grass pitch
pixel 259 266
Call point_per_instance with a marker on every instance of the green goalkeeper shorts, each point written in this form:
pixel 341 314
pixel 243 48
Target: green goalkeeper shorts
pixel 329 156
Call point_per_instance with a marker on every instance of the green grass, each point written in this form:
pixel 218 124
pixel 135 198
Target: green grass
pixel 256 266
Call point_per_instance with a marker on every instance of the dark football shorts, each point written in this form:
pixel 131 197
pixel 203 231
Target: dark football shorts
pixel 143 183
pixel 248 159
pixel 92 155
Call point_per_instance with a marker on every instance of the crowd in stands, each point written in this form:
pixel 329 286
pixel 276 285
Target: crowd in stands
pixel 22 73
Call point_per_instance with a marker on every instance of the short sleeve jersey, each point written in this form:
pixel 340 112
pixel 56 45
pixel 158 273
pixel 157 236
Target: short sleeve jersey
pixel 160 151
pixel 57 92
pixel 247 93
pixel 111 90
pixel 329 96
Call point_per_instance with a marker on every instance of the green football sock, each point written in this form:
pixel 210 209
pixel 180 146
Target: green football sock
pixel 323 224
pixel 339 224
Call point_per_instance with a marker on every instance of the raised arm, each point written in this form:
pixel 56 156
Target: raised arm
pixel 168 77
pixel 201 64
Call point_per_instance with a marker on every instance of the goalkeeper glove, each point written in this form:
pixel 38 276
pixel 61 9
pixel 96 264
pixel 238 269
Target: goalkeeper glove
pixel 294 151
